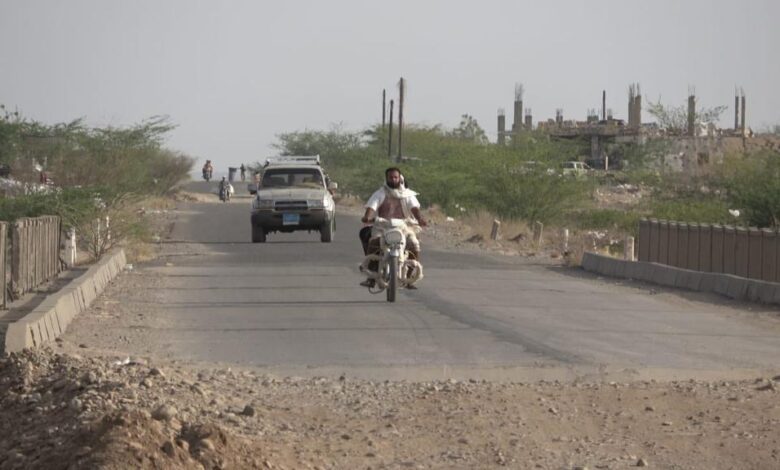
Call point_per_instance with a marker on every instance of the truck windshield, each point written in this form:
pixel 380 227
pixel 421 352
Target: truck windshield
pixel 292 177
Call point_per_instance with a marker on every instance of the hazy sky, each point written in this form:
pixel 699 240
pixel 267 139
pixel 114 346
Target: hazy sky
pixel 233 74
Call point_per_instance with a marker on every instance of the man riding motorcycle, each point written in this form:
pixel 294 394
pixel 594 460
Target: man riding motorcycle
pixel 208 169
pixel 392 201
pixel 225 189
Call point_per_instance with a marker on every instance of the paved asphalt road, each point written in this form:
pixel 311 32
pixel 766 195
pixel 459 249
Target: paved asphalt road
pixel 293 305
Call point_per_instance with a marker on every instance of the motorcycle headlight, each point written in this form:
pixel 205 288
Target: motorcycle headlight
pixel 315 203
pixel 393 236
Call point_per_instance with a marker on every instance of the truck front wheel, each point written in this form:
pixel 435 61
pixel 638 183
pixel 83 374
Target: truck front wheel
pixel 258 234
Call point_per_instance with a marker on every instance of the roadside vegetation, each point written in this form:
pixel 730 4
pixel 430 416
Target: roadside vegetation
pixel 459 173
pixel 86 174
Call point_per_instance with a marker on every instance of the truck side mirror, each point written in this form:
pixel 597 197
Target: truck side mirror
pixel 252 188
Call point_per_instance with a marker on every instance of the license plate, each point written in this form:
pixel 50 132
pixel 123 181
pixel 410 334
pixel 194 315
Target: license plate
pixel 291 219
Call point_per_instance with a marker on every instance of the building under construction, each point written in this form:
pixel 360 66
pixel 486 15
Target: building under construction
pixel 603 130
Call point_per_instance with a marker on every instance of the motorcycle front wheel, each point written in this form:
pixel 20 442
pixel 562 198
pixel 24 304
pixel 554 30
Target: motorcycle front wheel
pixel 392 282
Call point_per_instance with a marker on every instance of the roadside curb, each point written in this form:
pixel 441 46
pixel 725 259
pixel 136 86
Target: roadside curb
pixel 51 318
pixel 735 287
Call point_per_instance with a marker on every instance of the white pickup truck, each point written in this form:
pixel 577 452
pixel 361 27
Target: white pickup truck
pixel 294 194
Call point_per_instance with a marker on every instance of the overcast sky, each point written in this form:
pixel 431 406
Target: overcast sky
pixel 233 74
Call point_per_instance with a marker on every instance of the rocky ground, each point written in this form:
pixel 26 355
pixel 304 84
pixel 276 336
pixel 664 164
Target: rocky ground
pixel 89 410
pixel 84 403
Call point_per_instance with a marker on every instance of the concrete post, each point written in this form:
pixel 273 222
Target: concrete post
pixel 743 115
pixel 494 231
pixel 628 249
pixel 565 241
pixel 691 115
pixel 501 128
pixel 517 117
pixel 70 248
pixel 638 111
pixel 538 229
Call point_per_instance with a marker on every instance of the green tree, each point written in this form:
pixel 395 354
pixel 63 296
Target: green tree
pixel 675 118
pixel 469 130
pixel 753 182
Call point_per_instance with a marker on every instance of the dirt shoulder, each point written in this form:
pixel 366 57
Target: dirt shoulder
pixel 62 409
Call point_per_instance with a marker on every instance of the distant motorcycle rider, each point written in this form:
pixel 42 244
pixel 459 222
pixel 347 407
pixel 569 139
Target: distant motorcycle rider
pixel 392 201
pixel 207 170
pixel 224 189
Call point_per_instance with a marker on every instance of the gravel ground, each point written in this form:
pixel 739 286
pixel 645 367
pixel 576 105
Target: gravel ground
pixel 83 409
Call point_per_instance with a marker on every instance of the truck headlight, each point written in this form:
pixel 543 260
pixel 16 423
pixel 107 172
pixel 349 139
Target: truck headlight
pixel 315 203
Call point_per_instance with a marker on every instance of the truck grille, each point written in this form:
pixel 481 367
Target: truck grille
pixel 290 206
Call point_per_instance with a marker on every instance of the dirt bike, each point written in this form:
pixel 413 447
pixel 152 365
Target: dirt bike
pixel 394 267
pixel 207 174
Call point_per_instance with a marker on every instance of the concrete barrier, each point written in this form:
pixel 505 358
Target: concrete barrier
pixel 51 317
pixel 729 285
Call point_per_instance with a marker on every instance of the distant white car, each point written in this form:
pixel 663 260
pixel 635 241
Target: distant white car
pixel 574 168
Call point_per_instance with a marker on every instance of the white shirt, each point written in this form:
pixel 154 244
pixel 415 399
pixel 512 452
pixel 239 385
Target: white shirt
pixel 378 198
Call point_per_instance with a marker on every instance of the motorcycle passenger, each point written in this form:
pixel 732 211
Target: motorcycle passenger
pixel 392 201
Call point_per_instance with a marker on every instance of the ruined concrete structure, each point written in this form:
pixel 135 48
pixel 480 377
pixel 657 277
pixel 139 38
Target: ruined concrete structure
pixel 604 131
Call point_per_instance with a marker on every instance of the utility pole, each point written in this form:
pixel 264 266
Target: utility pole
pixel 400 119
pixel 384 101
pixel 390 133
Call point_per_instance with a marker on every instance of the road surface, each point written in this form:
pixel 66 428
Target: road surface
pixel 293 305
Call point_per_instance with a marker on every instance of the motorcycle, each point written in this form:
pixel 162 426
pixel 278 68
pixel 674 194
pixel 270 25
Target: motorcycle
pixel 394 266
pixel 207 174
pixel 225 192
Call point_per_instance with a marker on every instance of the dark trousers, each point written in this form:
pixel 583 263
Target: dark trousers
pixel 365 236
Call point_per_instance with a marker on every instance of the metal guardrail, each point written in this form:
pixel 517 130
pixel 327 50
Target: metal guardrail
pixel 746 252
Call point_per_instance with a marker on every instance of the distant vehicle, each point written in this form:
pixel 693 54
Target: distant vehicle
pixel 531 167
pixel 574 168
pixel 294 194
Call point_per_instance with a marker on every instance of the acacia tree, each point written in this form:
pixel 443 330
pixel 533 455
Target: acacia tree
pixel 675 118
pixel 469 129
